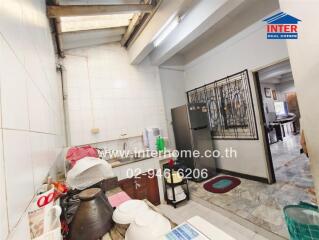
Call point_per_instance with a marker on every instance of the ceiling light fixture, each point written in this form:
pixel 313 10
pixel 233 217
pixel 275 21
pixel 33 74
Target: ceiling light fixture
pixel 167 28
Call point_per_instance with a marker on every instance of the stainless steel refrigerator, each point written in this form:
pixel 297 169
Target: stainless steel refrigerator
pixel 192 132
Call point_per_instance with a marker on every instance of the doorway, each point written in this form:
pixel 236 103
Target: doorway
pixel 287 154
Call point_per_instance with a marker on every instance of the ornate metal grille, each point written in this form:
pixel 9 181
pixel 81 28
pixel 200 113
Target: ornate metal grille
pixel 230 105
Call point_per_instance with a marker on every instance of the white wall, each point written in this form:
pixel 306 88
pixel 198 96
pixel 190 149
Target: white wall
pixel 31 119
pixel 250 50
pixel 105 91
pixel 304 59
pixel 173 87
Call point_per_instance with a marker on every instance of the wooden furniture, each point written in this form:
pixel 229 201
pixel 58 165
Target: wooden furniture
pixel 143 186
pixel 128 169
pixel 293 107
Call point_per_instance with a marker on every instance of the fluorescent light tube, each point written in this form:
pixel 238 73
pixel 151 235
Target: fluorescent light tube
pixel 168 27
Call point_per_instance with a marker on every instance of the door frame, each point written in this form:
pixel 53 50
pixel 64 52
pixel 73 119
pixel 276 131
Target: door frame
pixel 260 103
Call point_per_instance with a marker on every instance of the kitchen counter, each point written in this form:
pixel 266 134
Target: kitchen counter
pixel 117 162
pixel 134 167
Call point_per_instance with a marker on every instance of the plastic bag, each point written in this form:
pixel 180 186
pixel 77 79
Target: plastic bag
pixel 87 172
pixel 76 153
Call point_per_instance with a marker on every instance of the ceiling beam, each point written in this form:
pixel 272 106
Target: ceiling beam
pixel 57 32
pixel 196 22
pixel 57 22
pixel 79 43
pixel 137 18
pixel 144 20
pixel 109 29
pixel 89 10
pixel 138 21
pixel 98 2
pixel 94 33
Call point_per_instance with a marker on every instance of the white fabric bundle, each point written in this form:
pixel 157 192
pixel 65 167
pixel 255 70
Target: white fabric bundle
pixel 87 172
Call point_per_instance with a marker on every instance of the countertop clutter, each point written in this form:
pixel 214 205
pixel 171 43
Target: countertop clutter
pixel 92 204
pixel 84 209
pixel 86 213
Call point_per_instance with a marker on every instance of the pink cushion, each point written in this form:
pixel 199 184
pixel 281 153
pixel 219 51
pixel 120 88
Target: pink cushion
pixel 119 198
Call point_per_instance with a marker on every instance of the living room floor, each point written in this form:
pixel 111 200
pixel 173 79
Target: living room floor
pixel 260 203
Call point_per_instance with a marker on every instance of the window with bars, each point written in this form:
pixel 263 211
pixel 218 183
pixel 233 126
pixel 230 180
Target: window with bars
pixel 230 105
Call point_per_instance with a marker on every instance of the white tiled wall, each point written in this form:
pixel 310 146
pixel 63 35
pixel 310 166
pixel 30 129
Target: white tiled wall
pixel 105 91
pixel 18 172
pixel 13 98
pixel 131 144
pixel 173 87
pixel 31 110
pixel 3 201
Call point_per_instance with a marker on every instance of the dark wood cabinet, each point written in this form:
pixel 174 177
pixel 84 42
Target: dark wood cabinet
pixel 128 186
pixel 143 186
pixel 153 190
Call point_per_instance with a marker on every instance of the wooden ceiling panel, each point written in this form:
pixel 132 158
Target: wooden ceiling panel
pixel 91 10
pixel 97 2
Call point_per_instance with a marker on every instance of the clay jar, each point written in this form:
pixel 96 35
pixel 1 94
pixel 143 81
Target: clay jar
pixel 93 218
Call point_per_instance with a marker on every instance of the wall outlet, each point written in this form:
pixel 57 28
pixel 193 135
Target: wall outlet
pixel 95 130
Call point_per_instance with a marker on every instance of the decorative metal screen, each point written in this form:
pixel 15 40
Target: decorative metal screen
pixel 231 110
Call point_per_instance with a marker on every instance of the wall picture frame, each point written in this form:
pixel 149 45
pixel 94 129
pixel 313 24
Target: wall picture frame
pixel 274 94
pixel 267 92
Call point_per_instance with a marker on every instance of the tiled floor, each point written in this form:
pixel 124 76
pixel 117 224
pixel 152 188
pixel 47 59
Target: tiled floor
pixel 192 208
pixel 291 166
pixel 283 151
pixel 262 204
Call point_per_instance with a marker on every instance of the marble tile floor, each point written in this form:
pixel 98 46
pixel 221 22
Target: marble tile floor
pixel 283 151
pixel 290 166
pixel 192 208
pixel 261 204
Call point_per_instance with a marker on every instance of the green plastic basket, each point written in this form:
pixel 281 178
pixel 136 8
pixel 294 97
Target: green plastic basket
pixel 302 221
